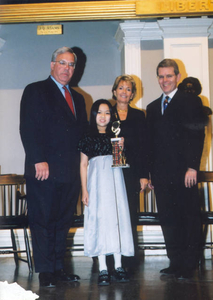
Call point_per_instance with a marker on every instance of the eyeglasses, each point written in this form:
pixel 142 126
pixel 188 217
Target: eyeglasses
pixel 169 76
pixel 64 63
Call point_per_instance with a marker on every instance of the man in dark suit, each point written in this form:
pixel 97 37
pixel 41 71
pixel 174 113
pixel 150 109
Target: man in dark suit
pixel 176 135
pixel 50 129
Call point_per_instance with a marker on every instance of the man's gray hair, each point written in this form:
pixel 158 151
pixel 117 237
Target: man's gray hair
pixel 61 51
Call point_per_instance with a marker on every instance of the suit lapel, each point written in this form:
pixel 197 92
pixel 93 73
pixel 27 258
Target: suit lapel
pixel 76 102
pixel 172 105
pixel 158 107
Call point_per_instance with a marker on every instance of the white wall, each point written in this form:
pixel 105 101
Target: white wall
pixel 11 150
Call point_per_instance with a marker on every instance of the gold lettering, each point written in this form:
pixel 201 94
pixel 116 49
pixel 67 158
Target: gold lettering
pixel 192 5
pixel 172 5
pixel 204 5
pixel 165 6
pixel 181 6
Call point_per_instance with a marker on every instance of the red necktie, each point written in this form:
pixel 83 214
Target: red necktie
pixel 69 99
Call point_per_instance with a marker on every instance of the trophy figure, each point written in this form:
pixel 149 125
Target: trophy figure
pixel 119 160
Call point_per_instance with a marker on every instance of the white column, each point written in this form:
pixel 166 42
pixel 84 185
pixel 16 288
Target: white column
pixel 128 37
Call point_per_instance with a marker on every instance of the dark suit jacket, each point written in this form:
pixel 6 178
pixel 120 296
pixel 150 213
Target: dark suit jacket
pixel 49 131
pixel 133 129
pixel 175 138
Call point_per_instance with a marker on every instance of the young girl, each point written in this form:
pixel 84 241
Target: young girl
pixel 107 226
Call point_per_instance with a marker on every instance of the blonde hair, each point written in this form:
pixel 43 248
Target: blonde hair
pixel 124 78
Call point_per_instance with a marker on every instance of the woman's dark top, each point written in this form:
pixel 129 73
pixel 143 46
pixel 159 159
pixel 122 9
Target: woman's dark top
pixel 133 129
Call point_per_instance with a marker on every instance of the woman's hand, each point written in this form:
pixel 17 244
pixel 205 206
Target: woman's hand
pixel 150 186
pixel 143 184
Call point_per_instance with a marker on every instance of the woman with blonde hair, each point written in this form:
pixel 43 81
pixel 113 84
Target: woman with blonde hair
pixel 133 129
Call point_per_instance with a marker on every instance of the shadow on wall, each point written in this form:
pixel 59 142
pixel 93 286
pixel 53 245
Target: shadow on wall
pixel 139 93
pixel 193 85
pixel 76 78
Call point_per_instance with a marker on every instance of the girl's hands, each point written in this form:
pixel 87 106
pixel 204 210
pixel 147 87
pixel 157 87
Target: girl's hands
pixel 85 198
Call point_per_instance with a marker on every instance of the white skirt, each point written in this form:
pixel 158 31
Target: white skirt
pixel 107 226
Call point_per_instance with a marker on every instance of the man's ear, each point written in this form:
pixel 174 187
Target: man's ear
pixel 52 65
pixel 178 77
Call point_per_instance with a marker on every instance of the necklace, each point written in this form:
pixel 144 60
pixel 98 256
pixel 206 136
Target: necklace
pixel 122 110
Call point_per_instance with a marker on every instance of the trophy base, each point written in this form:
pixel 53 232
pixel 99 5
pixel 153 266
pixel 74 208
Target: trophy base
pixel 121 166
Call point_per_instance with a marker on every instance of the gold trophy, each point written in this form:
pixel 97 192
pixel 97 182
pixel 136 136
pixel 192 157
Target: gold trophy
pixel 119 159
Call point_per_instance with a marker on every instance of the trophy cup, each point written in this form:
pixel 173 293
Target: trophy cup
pixel 119 160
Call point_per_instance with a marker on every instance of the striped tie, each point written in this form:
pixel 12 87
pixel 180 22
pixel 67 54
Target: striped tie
pixel 165 103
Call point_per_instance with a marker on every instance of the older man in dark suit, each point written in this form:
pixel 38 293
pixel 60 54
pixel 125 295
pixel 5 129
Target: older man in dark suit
pixel 52 120
pixel 176 136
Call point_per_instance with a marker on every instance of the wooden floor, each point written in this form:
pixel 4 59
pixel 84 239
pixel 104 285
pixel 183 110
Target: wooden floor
pixel 145 284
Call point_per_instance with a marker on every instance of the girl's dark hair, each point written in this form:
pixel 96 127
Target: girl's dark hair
pixel 93 115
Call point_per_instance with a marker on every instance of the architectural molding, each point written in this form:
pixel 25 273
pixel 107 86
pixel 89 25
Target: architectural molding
pixel 185 27
pixel 132 31
pixel 151 31
pixel 103 10
pixel 129 32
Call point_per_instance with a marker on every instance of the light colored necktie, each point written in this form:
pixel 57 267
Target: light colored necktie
pixel 69 99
